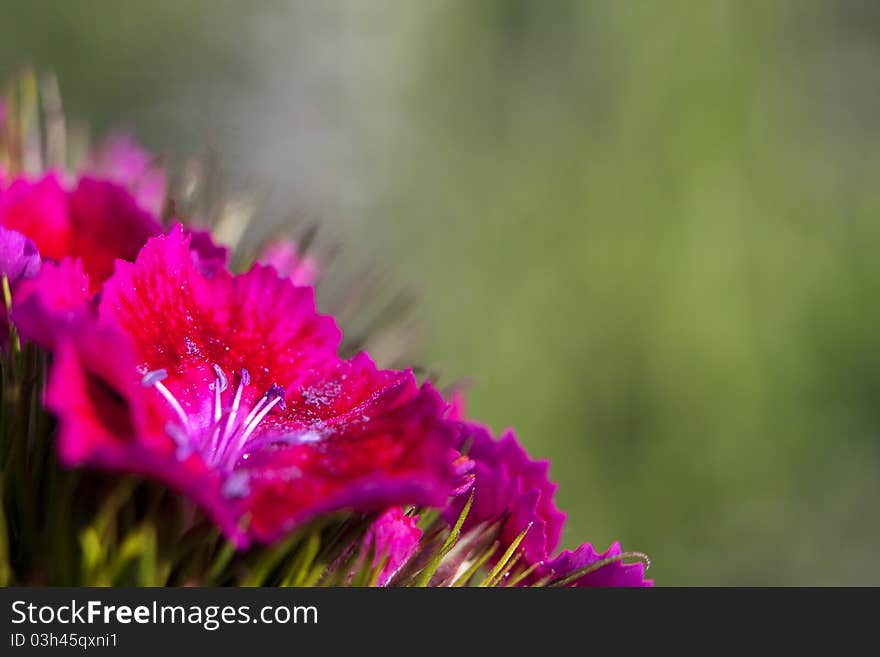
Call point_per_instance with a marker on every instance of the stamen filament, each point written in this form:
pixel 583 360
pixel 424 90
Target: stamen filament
pixel 241 441
pixel 222 443
pixel 229 427
pixel 182 439
pixel 221 377
pixel 218 409
pixel 256 409
pixel 220 385
pixel 172 401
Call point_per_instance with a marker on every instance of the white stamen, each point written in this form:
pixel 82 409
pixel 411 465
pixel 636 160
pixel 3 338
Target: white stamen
pixel 150 378
pixel 229 428
pixel 166 393
pixel 228 436
pixel 220 384
pixel 221 377
pixel 182 439
pixel 248 430
pixel 218 408
pixel 256 409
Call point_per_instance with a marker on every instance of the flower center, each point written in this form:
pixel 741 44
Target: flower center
pixel 226 438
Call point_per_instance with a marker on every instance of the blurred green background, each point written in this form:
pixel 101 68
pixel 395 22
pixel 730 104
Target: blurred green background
pixel 645 232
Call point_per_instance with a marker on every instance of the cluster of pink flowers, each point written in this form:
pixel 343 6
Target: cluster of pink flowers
pixel 230 389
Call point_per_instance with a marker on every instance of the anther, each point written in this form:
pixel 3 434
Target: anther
pixel 222 382
pixel 152 378
pixel 276 390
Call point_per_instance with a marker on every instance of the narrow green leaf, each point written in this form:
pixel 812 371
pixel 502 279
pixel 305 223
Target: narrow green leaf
pixel 496 572
pixel 425 576
pixel 514 581
pixel 374 577
pixel 269 560
pixel 147 564
pixel 224 556
pixel 463 579
pixel 365 572
pixel 133 547
pixel 305 557
pixel 318 569
pixel 92 551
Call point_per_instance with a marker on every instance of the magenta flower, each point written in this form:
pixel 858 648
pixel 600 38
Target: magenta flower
pixel 285 257
pixel 19 260
pixel 613 573
pixel 394 537
pixel 209 256
pixel 19 257
pixel 511 489
pixel 97 221
pixel 230 389
pixel 51 303
pixel 39 211
pixel 120 159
